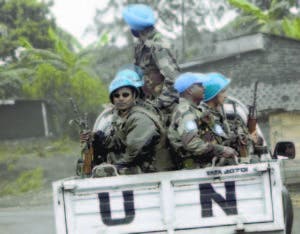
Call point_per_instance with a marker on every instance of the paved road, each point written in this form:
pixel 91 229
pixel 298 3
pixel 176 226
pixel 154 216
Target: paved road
pixel 37 220
pixel 33 220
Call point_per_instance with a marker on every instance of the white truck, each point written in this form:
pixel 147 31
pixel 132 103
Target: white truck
pixel 245 198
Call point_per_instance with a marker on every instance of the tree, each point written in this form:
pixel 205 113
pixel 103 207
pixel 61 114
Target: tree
pixel 29 19
pixel 11 81
pixel 57 75
pixel 277 19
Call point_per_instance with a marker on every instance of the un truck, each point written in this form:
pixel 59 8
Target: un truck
pixel 244 198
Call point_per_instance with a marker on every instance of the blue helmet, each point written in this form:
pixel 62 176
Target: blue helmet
pixel 217 82
pixel 138 16
pixel 138 80
pixel 186 80
pixel 120 81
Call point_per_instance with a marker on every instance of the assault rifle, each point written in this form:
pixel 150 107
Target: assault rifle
pixel 252 115
pixel 259 148
pixel 87 152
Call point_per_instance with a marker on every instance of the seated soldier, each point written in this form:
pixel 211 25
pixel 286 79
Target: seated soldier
pixel 231 133
pixel 103 122
pixel 163 160
pixel 135 132
pixel 189 125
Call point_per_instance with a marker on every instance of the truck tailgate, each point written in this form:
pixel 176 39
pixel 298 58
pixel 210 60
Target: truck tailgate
pixel 243 198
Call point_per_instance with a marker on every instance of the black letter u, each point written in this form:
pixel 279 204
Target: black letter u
pixel 106 212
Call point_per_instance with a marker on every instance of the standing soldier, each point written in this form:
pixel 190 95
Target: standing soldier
pixel 152 53
pixel 189 126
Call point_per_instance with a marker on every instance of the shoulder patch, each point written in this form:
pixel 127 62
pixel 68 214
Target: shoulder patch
pixel 190 126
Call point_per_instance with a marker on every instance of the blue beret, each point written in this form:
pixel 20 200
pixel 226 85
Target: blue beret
pixel 138 16
pixel 186 80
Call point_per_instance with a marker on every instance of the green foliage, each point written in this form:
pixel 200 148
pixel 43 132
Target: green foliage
pixel 60 74
pixel 249 8
pixel 11 80
pixel 276 19
pixel 27 181
pixel 292 27
pixel 28 19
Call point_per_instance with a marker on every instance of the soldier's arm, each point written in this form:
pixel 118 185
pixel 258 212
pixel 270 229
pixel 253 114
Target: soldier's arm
pixel 140 131
pixel 188 132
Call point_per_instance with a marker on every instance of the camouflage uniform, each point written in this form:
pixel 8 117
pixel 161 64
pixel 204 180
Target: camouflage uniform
pixel 231 133
pixel 188 127
pixel 220 128
pixel 160 69
pixel 133 142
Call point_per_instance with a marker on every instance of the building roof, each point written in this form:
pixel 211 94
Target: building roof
pixel 273 60
pixel 229 48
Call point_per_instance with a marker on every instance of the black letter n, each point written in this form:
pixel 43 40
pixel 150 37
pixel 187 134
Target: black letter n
pixel 106 212
pixel 207 194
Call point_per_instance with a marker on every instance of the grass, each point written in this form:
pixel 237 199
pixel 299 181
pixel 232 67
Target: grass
pixel 14 150
pixel 27 181
pixel 17 174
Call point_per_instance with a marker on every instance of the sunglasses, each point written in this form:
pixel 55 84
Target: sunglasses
pixel 118 95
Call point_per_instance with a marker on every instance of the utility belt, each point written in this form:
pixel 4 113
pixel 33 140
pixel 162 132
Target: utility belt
pixel 133 168
pixel 189 161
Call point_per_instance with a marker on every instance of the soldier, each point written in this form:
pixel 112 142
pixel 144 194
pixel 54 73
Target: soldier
pixel 152 53
pixel 136 132
pixel 103 121
pixel 232 133
pixel 215 95
pixel 189 126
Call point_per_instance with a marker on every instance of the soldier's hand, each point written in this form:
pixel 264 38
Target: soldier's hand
pixel 85 136
pixel 229 152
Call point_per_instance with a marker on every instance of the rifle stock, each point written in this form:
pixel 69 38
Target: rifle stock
pixel 87 156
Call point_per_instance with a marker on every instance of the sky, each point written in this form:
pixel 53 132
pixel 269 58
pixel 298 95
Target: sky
pixel 75 16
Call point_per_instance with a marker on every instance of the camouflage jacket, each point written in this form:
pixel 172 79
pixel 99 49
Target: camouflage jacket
pixel 186 131
pixel 133 141
pixel 160 69
pixel 231 133
pixel 220 128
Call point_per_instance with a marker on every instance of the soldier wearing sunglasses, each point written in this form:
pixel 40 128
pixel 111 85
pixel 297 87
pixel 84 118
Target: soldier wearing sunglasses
pixel 136 133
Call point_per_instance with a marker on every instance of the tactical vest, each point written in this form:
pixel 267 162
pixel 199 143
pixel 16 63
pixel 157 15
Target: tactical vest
pixel 163 160
pixel 205 122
